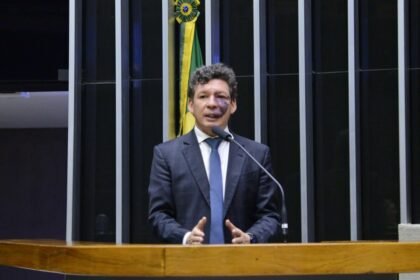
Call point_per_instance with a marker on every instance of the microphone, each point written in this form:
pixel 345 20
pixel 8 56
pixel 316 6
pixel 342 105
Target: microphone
pixel 228 137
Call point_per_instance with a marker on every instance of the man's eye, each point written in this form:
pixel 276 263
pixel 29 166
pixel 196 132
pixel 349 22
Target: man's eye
pixel 202 96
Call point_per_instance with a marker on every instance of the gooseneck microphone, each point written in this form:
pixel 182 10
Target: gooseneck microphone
pixel 228 137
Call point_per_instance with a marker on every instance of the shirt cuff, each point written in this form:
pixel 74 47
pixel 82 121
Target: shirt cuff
pixel 184 240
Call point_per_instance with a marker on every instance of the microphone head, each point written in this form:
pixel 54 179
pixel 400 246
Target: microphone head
pixel 221 133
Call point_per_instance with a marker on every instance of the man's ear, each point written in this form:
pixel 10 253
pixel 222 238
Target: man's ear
pixel 233 106
pixel 190 105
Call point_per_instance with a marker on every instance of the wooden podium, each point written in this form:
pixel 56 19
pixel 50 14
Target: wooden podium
pixel 94 259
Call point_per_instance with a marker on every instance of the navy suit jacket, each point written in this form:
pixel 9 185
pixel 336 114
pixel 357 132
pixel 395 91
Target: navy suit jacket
pixel 179 191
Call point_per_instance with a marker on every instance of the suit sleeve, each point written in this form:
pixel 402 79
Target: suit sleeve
pixel 268 220
pixel 162 211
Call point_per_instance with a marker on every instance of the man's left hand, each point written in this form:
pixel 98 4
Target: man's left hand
pixel 238 236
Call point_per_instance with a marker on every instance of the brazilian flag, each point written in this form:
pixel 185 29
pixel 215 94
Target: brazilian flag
pixel 186 13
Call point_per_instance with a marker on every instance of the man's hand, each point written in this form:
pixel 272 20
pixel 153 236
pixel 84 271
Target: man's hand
pixel 238 236
pixel 197 233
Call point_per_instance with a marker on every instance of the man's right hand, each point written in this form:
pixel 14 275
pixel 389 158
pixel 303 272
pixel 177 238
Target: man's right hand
pixel 197 233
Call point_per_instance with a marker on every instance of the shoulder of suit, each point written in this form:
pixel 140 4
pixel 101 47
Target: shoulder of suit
pixel 178 141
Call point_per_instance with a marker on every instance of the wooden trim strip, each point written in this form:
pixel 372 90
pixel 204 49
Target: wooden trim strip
pixel 193 261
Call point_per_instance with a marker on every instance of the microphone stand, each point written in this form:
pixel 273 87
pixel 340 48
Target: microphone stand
pixel 228 137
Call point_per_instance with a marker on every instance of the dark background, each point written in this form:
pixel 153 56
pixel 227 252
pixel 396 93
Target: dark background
pixel 33 161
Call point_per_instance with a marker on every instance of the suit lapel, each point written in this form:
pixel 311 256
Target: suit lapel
pixel 235 163
pixel 194 160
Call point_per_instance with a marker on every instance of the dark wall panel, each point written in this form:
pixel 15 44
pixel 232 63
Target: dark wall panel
pixel 33 165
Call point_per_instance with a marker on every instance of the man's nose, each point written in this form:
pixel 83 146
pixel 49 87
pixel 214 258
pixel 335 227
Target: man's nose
pixel 212 101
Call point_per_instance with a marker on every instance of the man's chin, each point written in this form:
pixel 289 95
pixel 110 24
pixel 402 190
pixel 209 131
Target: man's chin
pixel 208 126
pixel 213 124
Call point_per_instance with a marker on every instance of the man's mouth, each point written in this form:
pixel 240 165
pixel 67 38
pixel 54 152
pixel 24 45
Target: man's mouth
pixel 214 116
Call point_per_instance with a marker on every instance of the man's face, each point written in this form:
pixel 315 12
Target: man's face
pixel 211 105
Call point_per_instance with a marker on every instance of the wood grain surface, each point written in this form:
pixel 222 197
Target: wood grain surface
pixel 208 260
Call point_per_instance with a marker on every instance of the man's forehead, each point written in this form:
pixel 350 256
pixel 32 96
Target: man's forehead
pixel 212 82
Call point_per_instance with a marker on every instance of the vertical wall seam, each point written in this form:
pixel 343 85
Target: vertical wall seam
pixel 208 32
pixel 73 149
pixel 403 115
pixel 305 121
pixel 354 124
pixel 167 70
pixel 122 203
pixel 257 70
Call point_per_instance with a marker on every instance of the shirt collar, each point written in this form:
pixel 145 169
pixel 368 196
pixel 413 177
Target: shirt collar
pixel 201 136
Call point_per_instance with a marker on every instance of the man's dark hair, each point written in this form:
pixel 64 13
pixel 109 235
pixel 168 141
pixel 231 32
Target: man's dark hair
pixel 206 73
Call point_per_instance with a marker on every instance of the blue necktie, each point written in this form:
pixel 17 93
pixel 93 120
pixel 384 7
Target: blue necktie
pixel 216 193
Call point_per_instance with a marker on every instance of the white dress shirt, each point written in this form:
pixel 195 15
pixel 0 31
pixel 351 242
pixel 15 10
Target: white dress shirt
pixel 206 150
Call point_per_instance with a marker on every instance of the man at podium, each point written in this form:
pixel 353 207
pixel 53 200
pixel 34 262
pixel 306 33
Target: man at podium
pixel 205 190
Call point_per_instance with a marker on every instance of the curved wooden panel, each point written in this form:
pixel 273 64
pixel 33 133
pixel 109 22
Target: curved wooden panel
pixel 228 260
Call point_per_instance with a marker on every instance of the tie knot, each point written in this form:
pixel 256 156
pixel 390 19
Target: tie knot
pixel 214 142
